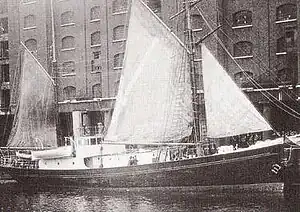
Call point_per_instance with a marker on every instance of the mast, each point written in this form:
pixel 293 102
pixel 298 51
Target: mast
pixel 55 72
pixel 194 75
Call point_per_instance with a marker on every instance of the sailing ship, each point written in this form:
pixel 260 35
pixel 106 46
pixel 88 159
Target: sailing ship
pixel 155 116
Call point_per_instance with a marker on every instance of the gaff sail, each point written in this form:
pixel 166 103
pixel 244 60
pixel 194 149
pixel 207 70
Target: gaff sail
pixel 228 111
pixel 154 102
pixel 35 118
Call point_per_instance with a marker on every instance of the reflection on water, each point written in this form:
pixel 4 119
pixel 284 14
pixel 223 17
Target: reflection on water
pixel 250 198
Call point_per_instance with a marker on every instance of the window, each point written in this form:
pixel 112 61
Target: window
pixel 3 25
pixel 4 53
pixel 119 6
pixel 284 74
pixel 97 55
pixel 95 13
pixel 242 49
pixel 197 22
pixel 69 67
pixel 118 33
pixel 69 92
pixel 118 60
pixel 242 18
pixel 95 38
pixel 96 62
pixel 242 77
pixel 31 44
pixel 155 5
pixel 67 18
pixel 291 37
pixel 5 73
pixel 3 8
pixel 29 21
pixel 286 12
pixel 96 66
pixel 281 45
pixel 68 42
pixel 97 91
pixel 5 99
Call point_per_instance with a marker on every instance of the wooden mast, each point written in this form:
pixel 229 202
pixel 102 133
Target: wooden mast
pixel 194 75
pixel 55 74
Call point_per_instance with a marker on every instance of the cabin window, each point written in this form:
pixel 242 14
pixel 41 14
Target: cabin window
pixel 4 52
pixel 67 18
pixel 69 67
pixel 31 44
pixel 95 38
pixel 69 92
pixel 242 18
pixel 4 25
pixel 93 141
pixel 29 21
pixel 95 13
pixel 68 42
pixel 242 49
pixel 284 74
pixel 281 45
pixel 243 77
pixel 118 60
pixel 119 6
pixel 97 91
pixel 286 12
pixel 119 33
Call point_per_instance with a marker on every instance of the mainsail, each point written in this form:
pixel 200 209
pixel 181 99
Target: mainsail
pixel 35 118
pixel 229 112
pixel 154 98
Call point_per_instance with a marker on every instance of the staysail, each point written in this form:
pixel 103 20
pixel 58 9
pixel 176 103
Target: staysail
pixel 35 118
pixel 229 112
pixel 154 98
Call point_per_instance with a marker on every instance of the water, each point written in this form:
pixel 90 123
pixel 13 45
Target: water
pixel 260 198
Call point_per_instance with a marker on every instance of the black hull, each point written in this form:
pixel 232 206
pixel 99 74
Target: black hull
pixel 247 167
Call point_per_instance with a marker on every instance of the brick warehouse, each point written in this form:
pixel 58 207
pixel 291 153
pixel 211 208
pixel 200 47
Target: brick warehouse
pixel 89 37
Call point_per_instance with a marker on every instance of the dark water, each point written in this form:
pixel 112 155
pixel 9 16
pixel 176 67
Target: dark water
pixel 260 198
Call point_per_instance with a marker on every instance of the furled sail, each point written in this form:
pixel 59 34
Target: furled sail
pixel 35 118
pixel 229 112
pixel 154 98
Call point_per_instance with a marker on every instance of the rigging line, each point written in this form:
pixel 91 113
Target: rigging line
pixel 276 102
pixel 265 68
pixel 257 84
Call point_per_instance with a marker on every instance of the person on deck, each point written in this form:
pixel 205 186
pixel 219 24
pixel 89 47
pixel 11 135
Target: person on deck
pixel 100 130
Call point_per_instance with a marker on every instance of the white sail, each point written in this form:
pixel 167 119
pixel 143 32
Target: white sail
pixel 228 111
pixel 154 99
pixel 35 119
